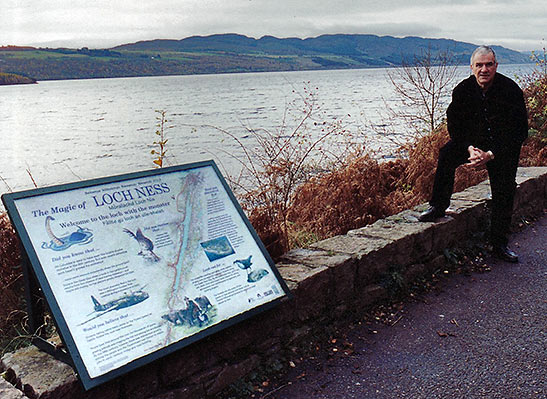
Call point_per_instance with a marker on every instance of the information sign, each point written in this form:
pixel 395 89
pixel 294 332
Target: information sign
pixel 137 266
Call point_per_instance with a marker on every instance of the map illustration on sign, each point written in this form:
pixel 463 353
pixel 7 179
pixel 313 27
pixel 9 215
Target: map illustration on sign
pixel 139 265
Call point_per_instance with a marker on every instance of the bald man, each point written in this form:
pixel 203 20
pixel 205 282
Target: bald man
pixel 487 124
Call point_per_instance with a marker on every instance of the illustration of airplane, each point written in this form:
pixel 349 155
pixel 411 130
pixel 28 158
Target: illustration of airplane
pixel 125 301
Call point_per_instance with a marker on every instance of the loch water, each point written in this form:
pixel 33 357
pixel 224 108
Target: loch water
pixel 64 131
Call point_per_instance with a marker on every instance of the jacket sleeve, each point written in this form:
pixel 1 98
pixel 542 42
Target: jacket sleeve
pixel 460 117
pixel 515 123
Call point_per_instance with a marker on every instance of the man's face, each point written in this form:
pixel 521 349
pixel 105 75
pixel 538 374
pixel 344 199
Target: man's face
pixel 484 68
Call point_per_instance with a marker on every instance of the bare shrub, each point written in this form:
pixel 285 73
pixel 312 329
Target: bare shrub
pixel 534 152
pixel 420 86
pixel 11 282
pixel 346 198
pixel 306 144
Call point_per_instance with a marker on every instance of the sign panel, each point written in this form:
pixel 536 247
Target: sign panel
pixel 136 266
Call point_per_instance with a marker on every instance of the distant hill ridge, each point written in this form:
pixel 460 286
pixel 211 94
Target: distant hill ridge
pixel 370 49
pixel 230 53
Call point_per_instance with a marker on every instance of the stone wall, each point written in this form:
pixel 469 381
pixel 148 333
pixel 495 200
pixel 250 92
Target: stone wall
pixel 328 279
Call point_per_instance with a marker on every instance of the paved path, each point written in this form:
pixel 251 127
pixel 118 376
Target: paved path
pixel 478 336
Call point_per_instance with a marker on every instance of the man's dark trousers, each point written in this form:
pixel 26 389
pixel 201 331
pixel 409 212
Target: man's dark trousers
pixel 501 172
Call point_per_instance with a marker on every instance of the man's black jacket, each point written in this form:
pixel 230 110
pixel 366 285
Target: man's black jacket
pixel 496 120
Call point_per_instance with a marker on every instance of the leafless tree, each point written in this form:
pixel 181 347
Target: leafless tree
pixel 421 86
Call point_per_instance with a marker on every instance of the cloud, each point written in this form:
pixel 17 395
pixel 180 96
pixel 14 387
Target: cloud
pixel 104 23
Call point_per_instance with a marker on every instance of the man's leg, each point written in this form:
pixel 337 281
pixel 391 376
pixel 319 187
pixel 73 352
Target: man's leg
pixel 502 183
pixel 450 157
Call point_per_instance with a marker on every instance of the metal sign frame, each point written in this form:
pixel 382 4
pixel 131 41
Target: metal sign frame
pixel 40 279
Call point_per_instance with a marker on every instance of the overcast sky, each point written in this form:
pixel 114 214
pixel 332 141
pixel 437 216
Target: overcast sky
pixel 516 24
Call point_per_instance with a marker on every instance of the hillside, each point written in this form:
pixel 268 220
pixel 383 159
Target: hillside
pixel 227 53
pixel 369 50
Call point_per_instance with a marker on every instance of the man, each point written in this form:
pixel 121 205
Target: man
pixel 487 124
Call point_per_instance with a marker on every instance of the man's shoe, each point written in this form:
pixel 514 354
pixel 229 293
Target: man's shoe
pixel 503 253
pixel 431 214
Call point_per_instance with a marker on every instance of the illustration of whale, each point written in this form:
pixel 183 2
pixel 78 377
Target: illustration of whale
pixel 81 236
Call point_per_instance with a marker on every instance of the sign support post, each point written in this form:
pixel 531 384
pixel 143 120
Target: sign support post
pixel 36 303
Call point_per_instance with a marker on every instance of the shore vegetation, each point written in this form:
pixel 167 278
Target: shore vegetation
pixel 14 79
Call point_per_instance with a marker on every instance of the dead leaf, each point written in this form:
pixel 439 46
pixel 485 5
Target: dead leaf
pixel 446 334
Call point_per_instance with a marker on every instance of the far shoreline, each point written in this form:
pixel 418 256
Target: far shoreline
pixel 9 79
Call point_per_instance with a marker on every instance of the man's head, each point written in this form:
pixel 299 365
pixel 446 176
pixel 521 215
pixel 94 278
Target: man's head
pixel 484 65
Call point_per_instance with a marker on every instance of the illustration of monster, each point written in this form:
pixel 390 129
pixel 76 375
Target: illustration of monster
pixel 145 243
pixel 81 236
pixel 252 276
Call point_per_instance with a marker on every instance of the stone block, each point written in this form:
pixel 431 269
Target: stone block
pixel 444 235
pixel 314 257
pixel 243 338
pixel 180 365
pixel 412 272
pixel 410 240
pixel 531 196
pixel 142 382
pixel 341 266
pixel 479 193
pixel 370 295
pixel 108 390
pixel 281 314
pixel 205 377
pixel 40 375
pixel 193 392
pixel 314 290
pixel 352 245
pixel 365 251
pixel 296 334
pixel 474 214
pixel 437 263
pixel 231 373
pixel 343 277
pixel 8 391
